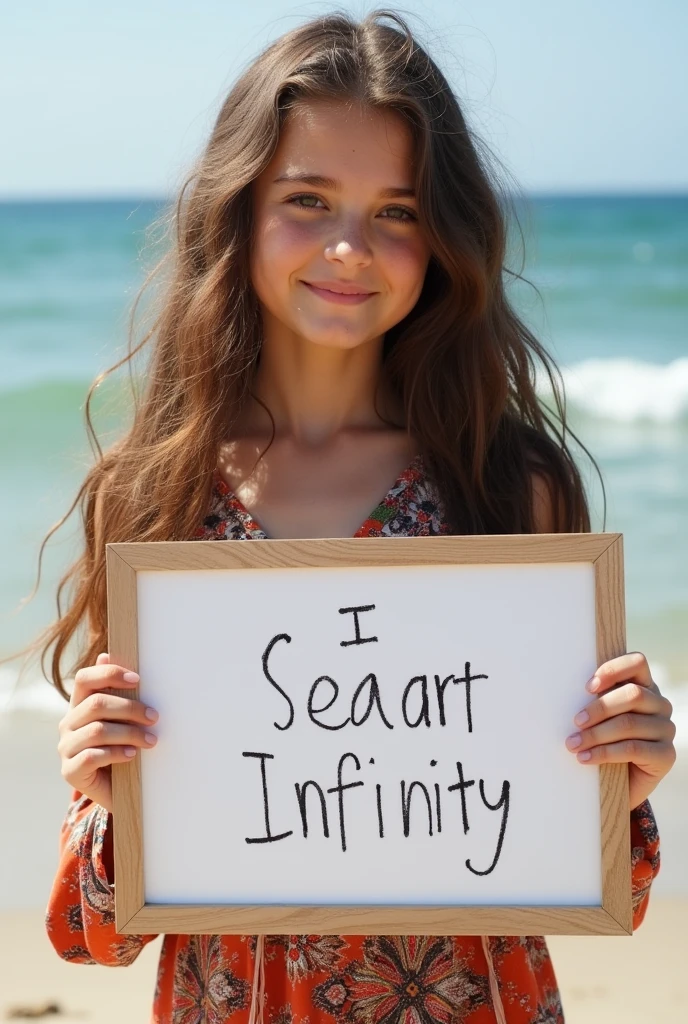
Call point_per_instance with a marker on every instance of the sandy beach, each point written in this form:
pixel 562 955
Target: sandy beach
pixel 643 979
pixel 639 980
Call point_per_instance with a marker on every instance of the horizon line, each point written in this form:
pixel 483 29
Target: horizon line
pixel 606 193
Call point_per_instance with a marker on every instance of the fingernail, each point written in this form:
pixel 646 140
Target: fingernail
pixel 581 718
pixel 151 737
pixel 584 755
pixel 151 714
pixel 131 677
pixel 573 741
pixel 593 684
pixel 130 751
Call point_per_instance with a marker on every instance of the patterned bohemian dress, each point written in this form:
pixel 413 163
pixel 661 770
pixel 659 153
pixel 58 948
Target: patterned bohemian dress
pixel 314 979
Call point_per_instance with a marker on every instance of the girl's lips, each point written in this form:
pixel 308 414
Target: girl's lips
pixel 339 297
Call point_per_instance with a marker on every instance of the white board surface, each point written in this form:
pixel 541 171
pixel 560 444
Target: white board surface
pixel 529 629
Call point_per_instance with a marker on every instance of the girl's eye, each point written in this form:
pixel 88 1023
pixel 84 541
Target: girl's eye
pixel 409 214
pixel 294 199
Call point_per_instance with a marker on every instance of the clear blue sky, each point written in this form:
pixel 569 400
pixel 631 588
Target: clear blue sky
pixel 116 99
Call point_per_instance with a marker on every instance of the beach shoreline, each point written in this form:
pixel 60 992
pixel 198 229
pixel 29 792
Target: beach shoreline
pixel 602 980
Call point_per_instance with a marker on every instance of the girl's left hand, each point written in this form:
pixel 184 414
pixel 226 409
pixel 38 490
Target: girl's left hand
pixel 629 722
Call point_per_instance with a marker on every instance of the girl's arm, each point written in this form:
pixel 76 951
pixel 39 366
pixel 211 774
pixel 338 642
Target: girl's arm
pixel 80 917
pixel 629 721
pixel 99 730
pixel 644 858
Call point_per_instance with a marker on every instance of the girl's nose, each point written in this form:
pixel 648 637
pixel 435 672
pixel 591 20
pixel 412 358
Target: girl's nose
pixel 348 245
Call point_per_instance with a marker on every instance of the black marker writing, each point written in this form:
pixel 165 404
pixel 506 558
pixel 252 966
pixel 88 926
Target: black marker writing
pixel 301 792
pixel 438 799
pixel 380 822
pixel 268 837
pixel 440 687
pixel 339 790
pixel 462 786
pixel 312 712
pixel 406 805
pixel 373 698
pixel 503 801
pixel 357 626
pixel 424 713
pixel 468 679
pixel 266 655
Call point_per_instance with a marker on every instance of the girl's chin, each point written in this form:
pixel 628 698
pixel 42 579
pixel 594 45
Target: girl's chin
pixel 328 337
pixel 344 344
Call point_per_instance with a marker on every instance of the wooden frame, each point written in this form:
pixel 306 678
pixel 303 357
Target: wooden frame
pixel 134 916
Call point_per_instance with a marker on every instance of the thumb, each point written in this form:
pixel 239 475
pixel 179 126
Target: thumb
pixel 103 659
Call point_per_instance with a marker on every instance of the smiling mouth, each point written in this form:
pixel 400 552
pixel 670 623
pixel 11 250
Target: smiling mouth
pixel 344 298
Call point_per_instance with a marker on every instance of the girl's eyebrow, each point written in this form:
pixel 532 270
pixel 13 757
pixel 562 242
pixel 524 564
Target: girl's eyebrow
pixel 319 181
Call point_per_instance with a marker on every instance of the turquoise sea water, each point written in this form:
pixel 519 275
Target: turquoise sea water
pixel 613 278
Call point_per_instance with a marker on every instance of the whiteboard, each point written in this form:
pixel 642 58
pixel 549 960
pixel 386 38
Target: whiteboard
pixel 470 798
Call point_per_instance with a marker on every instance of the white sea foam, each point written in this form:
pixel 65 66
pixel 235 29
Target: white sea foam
pixel 627 390
pixel 619 389
pixel 677 693
pixel 612 390
pixel 33 694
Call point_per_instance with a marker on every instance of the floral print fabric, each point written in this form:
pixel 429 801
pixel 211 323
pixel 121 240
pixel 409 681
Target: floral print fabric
pixel 318 979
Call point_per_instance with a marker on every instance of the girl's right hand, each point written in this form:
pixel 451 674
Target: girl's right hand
pixel 101 729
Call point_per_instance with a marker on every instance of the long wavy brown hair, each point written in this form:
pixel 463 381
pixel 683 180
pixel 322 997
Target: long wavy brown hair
pixel 462 362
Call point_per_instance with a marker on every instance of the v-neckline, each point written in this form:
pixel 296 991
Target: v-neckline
pixel 410 473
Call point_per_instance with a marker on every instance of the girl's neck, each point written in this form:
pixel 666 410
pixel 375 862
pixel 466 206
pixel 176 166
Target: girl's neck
pixel 314 392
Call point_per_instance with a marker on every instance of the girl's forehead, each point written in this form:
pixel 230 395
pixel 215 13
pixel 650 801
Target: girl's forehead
pixel 332 116
pixel 345 135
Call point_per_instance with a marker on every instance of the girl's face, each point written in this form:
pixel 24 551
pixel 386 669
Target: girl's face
pixel 338 254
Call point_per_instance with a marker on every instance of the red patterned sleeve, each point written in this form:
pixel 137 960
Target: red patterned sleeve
pixel 80 917
pixel 644 858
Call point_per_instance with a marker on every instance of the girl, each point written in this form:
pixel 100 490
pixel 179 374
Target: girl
pixel 335 338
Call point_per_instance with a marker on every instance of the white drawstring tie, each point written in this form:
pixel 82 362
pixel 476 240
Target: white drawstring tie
pixel 494 986
pixel 258 989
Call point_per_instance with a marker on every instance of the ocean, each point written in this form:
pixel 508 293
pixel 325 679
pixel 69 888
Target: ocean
pixel 612 308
